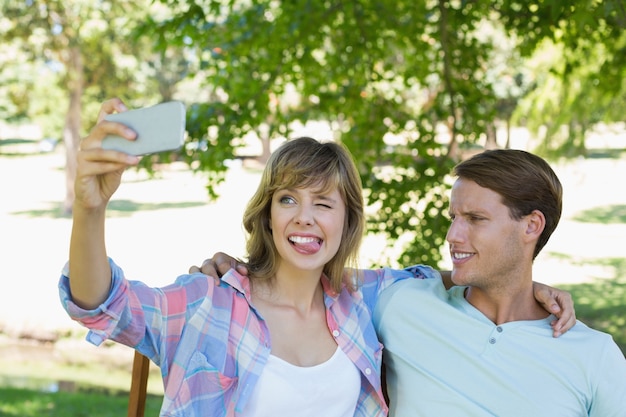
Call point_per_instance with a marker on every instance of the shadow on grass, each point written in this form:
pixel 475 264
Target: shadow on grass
pixel 613 214
pixel 23 147
pixel 601 303
pixel 16 141
pixel 605 153
pixel 116 208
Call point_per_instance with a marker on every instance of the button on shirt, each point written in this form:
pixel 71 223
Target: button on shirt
pixel 211 344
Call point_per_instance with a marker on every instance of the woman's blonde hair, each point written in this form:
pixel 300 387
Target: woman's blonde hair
pixel 305 162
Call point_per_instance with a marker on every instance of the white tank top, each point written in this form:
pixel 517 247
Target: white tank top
pixel 330 389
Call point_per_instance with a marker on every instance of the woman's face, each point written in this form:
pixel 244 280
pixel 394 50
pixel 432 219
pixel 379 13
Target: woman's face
pixel 307 226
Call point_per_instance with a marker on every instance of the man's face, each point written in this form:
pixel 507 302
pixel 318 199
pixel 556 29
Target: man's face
pixel 485 241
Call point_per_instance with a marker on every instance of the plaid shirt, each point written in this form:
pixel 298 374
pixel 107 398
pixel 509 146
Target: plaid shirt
pixel 212 345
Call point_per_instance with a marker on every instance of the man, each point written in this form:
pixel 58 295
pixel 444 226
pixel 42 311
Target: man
pixel 486 351
pixel 484 347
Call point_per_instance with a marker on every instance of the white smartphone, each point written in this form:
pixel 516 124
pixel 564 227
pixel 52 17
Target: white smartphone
pixel 159 128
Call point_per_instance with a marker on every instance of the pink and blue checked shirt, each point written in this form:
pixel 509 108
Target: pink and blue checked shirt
pixel 212 345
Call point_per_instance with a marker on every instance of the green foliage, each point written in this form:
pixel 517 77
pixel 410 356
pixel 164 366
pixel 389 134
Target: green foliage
pixel 86 48
pixel 405 85
pixel 408 86
pixel 387 76
pixel 579 66
pixel 76 47
pixel 90 48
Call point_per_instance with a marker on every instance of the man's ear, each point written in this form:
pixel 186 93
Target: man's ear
pixel 535 223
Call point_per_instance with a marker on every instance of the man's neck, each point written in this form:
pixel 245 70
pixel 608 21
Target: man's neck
pixel 506 305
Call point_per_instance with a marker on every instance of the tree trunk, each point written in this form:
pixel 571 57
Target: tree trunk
pixel 491 140
pixel 508 133
pixel 453 146
pixel 265 150
pixel 71 131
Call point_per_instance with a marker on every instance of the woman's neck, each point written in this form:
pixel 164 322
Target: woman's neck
pixel 301 289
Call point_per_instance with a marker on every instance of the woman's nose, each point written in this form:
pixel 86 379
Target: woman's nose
pixel 304 216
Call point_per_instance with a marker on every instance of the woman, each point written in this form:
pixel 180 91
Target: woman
pixel 292 339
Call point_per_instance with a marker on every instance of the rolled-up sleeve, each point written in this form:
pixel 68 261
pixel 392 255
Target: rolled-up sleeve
pixel 110 318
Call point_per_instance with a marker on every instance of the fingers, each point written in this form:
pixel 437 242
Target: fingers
pixel 211 267
pixel 97 161
pixel 218 265
pixel 559 303
pixel 562 325
pixel 113 105
pixel 547 296
pixel 104 127
pixel 242 269
pixel 91 146
pixel 223 262
pixel 207 268
pixel 99 171
pixel 214 267
pixel 566 315
pixel 209 272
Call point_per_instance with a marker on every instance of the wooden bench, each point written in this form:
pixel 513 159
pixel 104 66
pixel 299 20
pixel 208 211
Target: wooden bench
pixel 138 386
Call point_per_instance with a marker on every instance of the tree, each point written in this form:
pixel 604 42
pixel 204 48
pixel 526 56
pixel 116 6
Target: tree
pixel 578 60
pixel 18 76
pixel 85 43
pixel 410 87
pixel 385 75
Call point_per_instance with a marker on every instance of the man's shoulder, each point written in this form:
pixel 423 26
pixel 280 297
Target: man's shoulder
pixel 583 331
pixel 588 341
pixel 422 288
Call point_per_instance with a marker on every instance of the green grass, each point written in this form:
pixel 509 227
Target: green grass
pixel 601 303
pixel 16 402
pixel 613 214
pixel 36 385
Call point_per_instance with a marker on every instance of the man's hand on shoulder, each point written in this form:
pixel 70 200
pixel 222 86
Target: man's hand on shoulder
pixel 218 265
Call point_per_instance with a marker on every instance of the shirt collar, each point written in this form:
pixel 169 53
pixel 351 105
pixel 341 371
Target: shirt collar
pixel 241 283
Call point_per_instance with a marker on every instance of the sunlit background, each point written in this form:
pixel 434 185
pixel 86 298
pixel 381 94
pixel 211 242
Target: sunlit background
pixel 409 86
